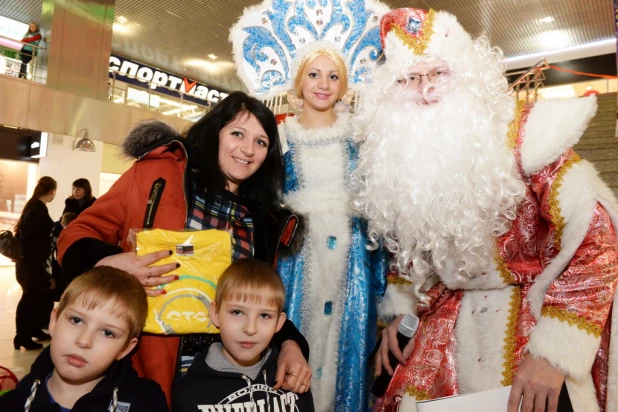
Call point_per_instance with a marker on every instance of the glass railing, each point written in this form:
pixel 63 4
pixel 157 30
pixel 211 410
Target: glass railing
pixel 11 64
pixel 171 103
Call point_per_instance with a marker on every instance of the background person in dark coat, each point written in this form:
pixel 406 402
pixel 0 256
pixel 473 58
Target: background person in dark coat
pixel 81 197
pixel 34 228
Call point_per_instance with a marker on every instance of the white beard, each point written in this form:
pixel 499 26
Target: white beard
pixel 438 182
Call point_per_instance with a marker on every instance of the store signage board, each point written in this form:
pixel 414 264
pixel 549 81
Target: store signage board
pixel 140 75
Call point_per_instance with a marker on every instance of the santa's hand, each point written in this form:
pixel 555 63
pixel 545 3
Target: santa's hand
pixel 390 344
pixel 539 383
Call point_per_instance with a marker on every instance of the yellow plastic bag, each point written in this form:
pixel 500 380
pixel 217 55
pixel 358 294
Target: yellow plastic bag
pixel 203 256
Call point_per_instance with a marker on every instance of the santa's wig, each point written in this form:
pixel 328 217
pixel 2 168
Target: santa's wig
pixel 438 183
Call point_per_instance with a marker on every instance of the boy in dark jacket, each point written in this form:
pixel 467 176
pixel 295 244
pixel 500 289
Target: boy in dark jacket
pixel 238 373
pixel 85 368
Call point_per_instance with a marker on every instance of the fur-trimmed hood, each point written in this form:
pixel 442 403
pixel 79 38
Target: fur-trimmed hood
pixel 148 135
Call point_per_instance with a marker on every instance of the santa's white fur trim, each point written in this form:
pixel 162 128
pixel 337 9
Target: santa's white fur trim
pixel 449 39
pixel 408 403
pixel 480 334
pixel 566 347
pixel 491 280
pixel 554 126
pixel 398 299
pixel 577 200
pixel 612 375
pixel 583 395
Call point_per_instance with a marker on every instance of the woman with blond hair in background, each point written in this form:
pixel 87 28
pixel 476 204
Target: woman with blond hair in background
pixel 31 38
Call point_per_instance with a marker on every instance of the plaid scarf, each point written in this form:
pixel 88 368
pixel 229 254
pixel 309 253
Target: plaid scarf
pixel 224 213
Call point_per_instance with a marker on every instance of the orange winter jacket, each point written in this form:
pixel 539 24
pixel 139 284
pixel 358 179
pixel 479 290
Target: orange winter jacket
pixel 96 232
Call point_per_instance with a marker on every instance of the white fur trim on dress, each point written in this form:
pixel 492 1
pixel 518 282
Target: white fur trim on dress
pixel 577 200
pixel 398 299
pixel 324 200
pixel 282 139
pixel 554 126
pixel 568 348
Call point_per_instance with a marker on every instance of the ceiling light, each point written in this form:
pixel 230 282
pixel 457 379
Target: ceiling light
pixel 554 39
pixel 121 19
pixel 212 56
pixel 581 51
pixel 547 19
pixel 119 28
pixel 84 144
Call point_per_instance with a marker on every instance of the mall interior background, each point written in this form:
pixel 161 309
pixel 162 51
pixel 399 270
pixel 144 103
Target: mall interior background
pixel 104 65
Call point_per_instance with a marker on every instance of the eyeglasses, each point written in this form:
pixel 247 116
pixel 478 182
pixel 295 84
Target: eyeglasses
pixel 414 79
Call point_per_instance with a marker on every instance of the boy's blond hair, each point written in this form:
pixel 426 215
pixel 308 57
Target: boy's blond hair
pixel 67 218
pixel 103 284
pixel 250 280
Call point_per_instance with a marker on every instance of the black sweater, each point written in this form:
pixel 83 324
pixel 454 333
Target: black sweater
pixel 205 387
pixel 138 393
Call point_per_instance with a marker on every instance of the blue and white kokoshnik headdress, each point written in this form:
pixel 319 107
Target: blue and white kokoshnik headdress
pixel 271 39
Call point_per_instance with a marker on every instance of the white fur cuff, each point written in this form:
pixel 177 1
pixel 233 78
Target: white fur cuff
pixel 398 299
pixel 567 347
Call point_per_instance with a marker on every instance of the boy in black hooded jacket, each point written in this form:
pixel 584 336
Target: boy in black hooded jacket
pixel 86 367
pixel 238 373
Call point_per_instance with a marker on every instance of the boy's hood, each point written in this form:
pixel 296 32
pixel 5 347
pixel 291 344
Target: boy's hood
pixel 118 373
pixel 200 367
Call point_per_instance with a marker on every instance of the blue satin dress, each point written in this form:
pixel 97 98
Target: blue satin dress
pixel 334 284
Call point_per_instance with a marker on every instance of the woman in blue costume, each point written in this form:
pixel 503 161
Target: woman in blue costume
pixel 334 283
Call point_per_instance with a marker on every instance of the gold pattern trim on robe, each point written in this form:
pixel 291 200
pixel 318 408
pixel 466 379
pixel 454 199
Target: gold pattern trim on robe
pixel 554 208
pixel 510 341
pixel 417 44
pixel 573 319
pixel 505 273
pixel 420 395
pixel 514 126
pixel 397 280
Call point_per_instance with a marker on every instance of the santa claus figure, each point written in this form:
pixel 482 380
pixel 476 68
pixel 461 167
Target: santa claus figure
pixel 504 238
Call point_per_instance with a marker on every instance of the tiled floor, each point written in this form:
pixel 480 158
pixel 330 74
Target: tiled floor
pixel 18 361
